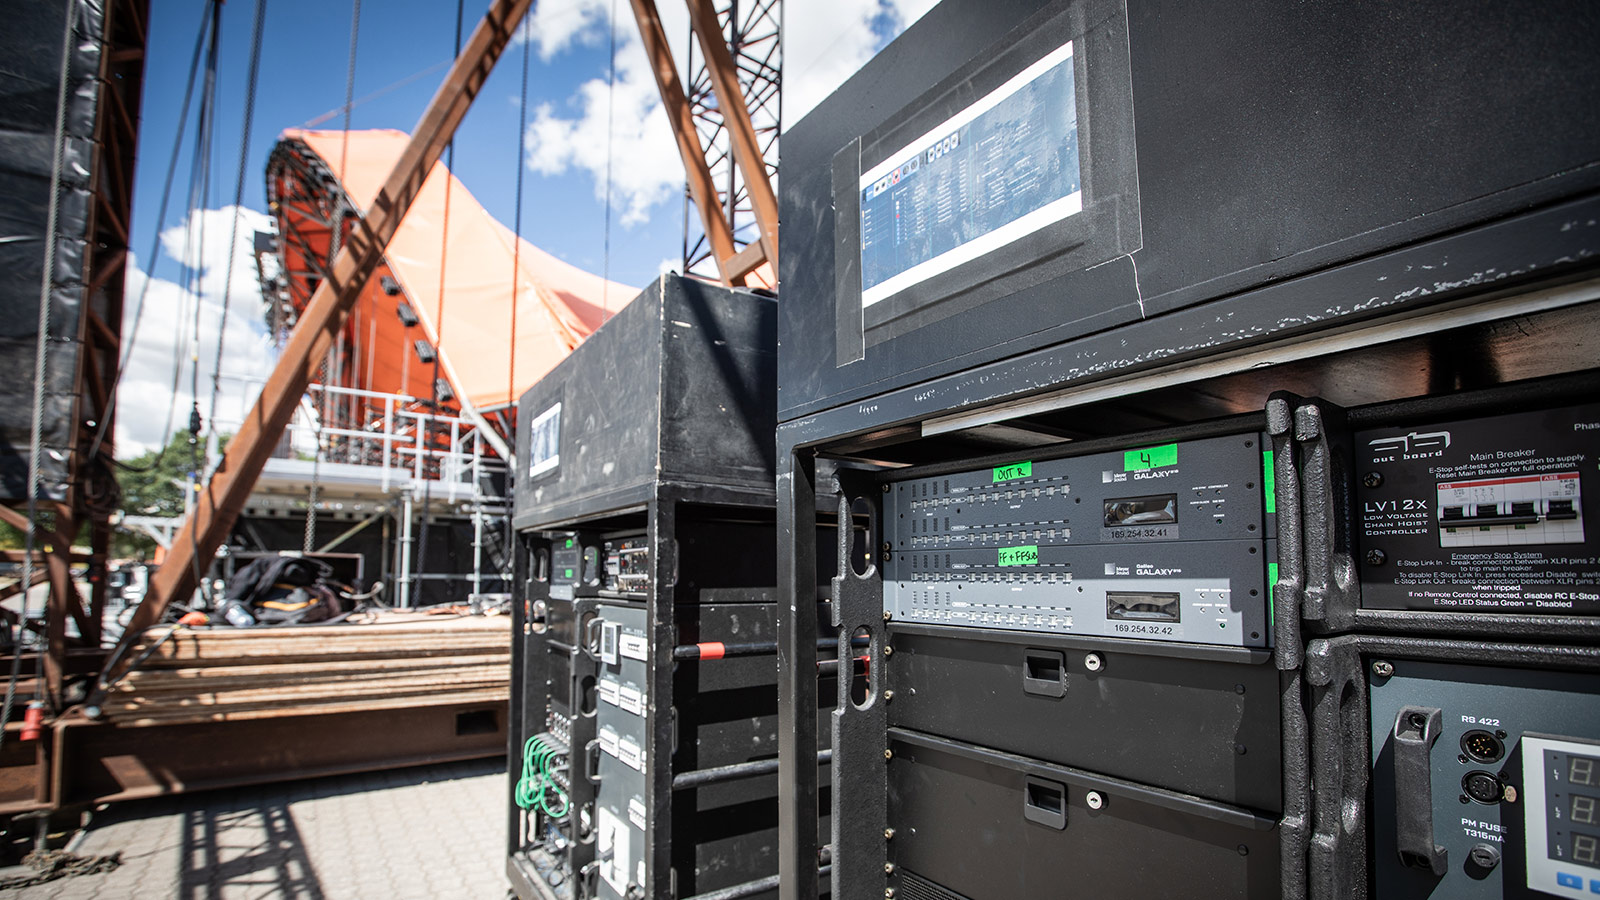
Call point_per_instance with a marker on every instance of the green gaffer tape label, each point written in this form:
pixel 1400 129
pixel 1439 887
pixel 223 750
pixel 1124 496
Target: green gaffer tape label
pixel 1150 458
pixel 1269 482
pixel 1019 556
pixel 1015 470
pixel 1272 582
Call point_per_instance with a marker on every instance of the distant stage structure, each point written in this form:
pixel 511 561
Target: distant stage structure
pixel 414 413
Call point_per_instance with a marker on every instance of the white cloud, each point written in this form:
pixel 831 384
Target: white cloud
pixel 168 322
pixel 554 27
pixel 825 42
pixel 646 168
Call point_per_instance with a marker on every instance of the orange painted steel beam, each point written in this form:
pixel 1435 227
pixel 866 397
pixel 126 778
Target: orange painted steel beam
pixel 63 602
pixel 736 118
pixel 702 189
pixel 14 519
pixel 219 503
pixel 747 260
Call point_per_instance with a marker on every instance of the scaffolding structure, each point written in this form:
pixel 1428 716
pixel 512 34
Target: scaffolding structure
pixel 752 32
pixel 406 469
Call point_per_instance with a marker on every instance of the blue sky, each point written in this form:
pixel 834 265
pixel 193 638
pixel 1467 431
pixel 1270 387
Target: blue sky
pixel 303 70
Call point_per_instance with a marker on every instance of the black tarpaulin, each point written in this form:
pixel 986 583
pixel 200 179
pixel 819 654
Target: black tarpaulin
pixel 31 45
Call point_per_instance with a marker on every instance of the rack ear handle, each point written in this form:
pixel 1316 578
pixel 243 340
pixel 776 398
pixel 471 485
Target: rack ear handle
pixel 591 761
pixel 1416 729
pixel 591 637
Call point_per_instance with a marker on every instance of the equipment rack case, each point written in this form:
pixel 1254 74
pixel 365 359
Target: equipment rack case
pixel 1293 227
pixel 644 616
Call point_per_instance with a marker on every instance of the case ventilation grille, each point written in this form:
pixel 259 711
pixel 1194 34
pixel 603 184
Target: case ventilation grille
pixel 915 887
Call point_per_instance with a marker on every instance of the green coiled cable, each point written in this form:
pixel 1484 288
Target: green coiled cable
pixel 537 782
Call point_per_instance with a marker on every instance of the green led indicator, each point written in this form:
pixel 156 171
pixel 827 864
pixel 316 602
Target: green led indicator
pixel 1272 582
pixel 569 543
pixel 1015 470
pixel 1269 483
pixel 569 573
pixel 1150 458
pixel 1020 556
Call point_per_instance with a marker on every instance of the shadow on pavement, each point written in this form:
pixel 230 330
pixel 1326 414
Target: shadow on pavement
pixel 254 846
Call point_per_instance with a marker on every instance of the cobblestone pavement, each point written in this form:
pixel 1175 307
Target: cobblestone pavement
pixel 430 833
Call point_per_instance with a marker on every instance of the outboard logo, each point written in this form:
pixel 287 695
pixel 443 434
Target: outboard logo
pixel 1409 446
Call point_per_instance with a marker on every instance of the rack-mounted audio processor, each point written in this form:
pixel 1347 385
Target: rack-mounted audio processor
pixel 1165 542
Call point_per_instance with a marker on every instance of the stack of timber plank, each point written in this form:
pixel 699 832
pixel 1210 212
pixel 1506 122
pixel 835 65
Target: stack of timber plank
pixel 391 661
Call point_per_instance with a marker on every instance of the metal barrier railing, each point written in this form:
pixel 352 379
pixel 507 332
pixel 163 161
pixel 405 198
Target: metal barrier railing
pixel 425 457
pixel 386 432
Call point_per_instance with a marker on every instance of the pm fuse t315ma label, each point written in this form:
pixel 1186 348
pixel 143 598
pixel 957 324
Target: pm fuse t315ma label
pixel 1496 514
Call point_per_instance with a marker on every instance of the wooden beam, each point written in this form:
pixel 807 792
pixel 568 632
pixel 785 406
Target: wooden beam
pixel 736 118
pixel 702 189
pixel 218 506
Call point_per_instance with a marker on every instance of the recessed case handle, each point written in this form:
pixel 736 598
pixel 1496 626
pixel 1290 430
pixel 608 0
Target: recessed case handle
pixel 1044 673
pixel 1045 802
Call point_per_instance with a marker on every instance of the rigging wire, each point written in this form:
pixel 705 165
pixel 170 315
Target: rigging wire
pixel 199 188
pixel 444 246
pixel 326 371
pixel 438 326
pixel 251 82
pixel 238 199
pixel 205 137
pixel 611 102
pixel 516 246
pixel 388 88
pixel 41 349
pixel 344 172
pixel 155 250
pixel 314 494
pixel 349 86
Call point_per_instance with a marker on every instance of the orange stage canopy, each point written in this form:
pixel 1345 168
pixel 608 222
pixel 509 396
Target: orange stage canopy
pixel 459 283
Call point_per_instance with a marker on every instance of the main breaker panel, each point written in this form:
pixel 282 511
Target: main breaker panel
pixel 1166 542
pixel 1492 514
pixel 1486 781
